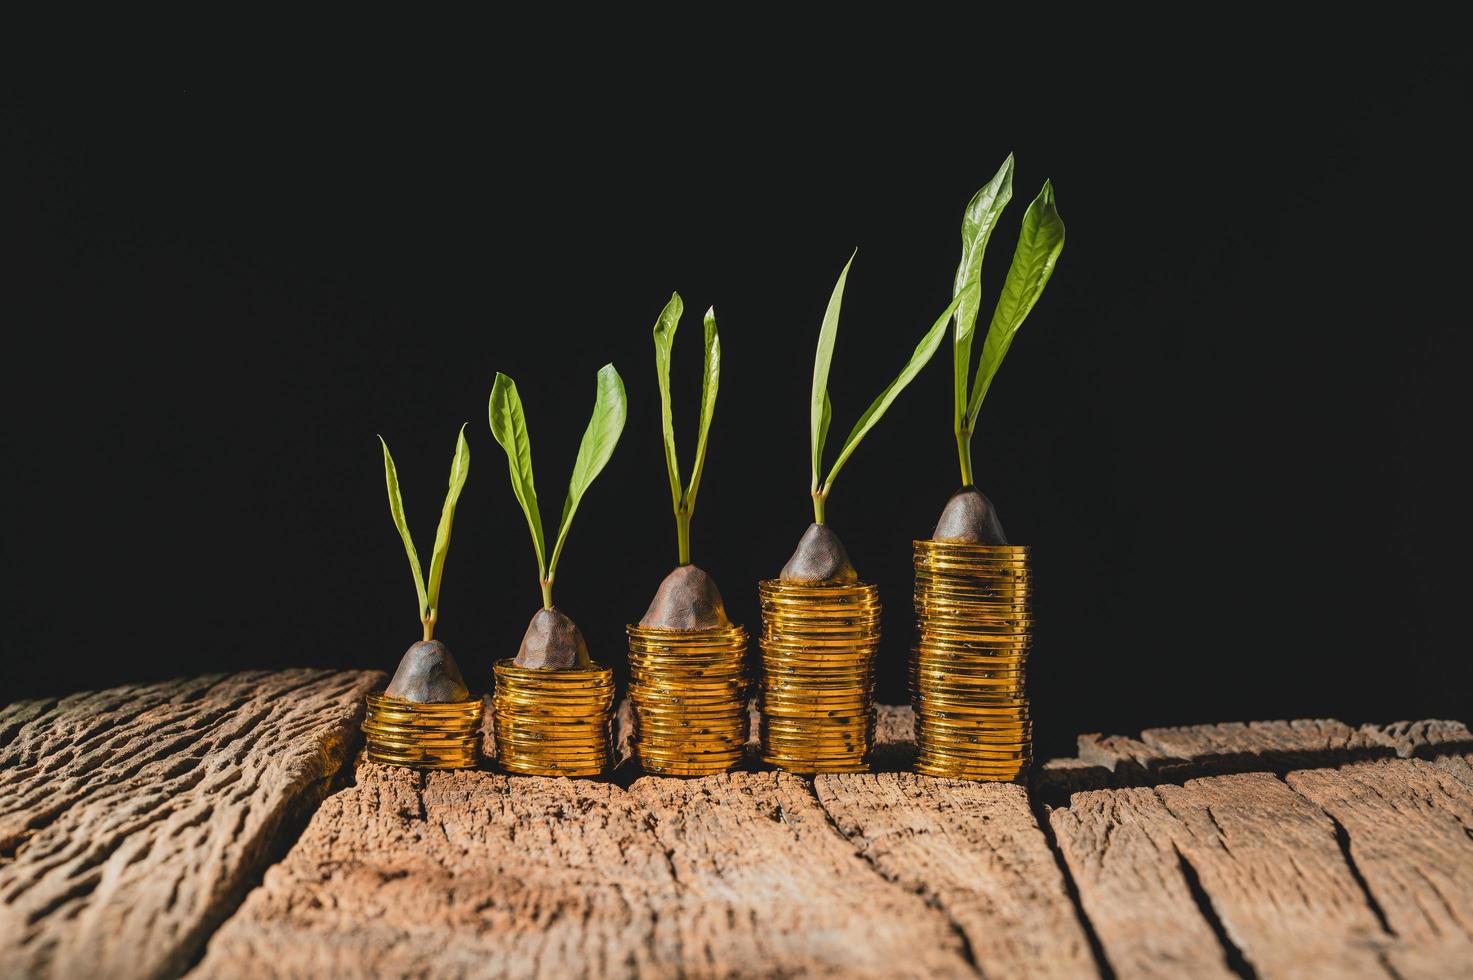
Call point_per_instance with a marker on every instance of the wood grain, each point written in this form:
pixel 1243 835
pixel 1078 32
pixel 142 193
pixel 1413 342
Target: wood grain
pixel 132 819
pixel 1271 864
pixel 721 876
pixel 1120 849
pixel 976 851
pixel 1275 746
pixel 1408 829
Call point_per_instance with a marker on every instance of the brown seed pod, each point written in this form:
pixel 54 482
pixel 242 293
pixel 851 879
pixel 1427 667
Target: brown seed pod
pixel 428 674
pixel 686 600
pixel 553 642
pixel 969 518
pixel 820 559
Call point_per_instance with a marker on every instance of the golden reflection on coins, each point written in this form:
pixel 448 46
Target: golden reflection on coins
pixel 689 692
pixel 552 722
pixel 967 673
pixel 817 680
pixel 422 736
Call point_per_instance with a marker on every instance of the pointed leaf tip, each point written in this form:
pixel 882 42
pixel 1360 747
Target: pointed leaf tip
pixel 509 426
pixel 610 409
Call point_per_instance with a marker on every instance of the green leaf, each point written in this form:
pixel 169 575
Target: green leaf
pixel 1039 243
pixel 818 417
pixel 919 358
pixel 665 328
pixel 823 430
pixel 509 426
pixel 599 440
pixel 396 510
pixel 978 222
pixel 710 381
pixel 460 468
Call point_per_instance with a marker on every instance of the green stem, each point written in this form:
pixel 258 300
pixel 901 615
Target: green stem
pixel 429 624
pixel 964 453
pixel 682 534
pixel 819 496
pixel 547 593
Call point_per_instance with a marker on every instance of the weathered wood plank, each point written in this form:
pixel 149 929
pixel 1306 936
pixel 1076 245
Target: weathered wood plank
pixel 1423 739
pixel 1057 779
pixel 1448 745
pixel 1271 864
pixel 477 874
pixel 1266 861
pixel 1120 848
pixel 1275 746
pixel 976 851
pixel 132 819
pixel 1408 826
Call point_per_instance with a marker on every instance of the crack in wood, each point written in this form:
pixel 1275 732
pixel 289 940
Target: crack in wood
pixel 1342 838
pixel 1232 954
pixel 1040 813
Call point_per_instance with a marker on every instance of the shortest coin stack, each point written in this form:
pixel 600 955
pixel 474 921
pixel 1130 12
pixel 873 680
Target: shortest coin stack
pixel 817 691
pixel 553 722
pixel 689 691
pixel 422 735
pixel 973 630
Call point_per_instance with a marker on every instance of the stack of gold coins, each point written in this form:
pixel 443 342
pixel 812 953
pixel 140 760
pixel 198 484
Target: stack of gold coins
pixel 689 691
pixel 973 629
pixel 817 688
pixel 421 735
pixel 553 722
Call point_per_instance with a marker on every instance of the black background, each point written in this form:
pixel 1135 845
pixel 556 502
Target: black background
pixel 1233 429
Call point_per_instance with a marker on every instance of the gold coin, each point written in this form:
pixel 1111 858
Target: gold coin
pixel 678 716
pixel 693 734
pixel 713 722
pixel 967 670
pixel 414 735
pixel 1015 729
pixel 532 769
pixel 677 753
pixel 678 769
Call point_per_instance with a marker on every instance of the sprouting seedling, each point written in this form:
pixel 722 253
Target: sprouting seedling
pixel 429 596
pixel 509 426
pixel 821 409
pixel 683 496
pixel 1040 241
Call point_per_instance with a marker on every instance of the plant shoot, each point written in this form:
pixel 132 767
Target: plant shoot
pixel 427 672
pixel 969 516
pixel 821 556
pixel 688 597
pixel 552 640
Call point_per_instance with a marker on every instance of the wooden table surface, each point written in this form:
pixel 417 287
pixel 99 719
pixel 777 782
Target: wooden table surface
pixel 222 827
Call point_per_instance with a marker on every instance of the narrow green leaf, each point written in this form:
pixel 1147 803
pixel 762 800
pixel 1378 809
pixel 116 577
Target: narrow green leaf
pixel 396 510
pixel 599 440
pixel 823 430
pixel 1039 243
pixel 919 358
pixel 978 222
pixel 460 468
pixel 509 426
pixel 665 328
pixel 818 419
pixel 710 381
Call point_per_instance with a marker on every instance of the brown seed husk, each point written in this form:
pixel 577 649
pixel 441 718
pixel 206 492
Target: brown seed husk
pixel 428 674
pixel 553 642
pixel 969 518
pixel 686 600
pixel 820 559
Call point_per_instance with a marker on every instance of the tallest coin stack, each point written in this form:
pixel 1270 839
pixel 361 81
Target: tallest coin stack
pixel 973 630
